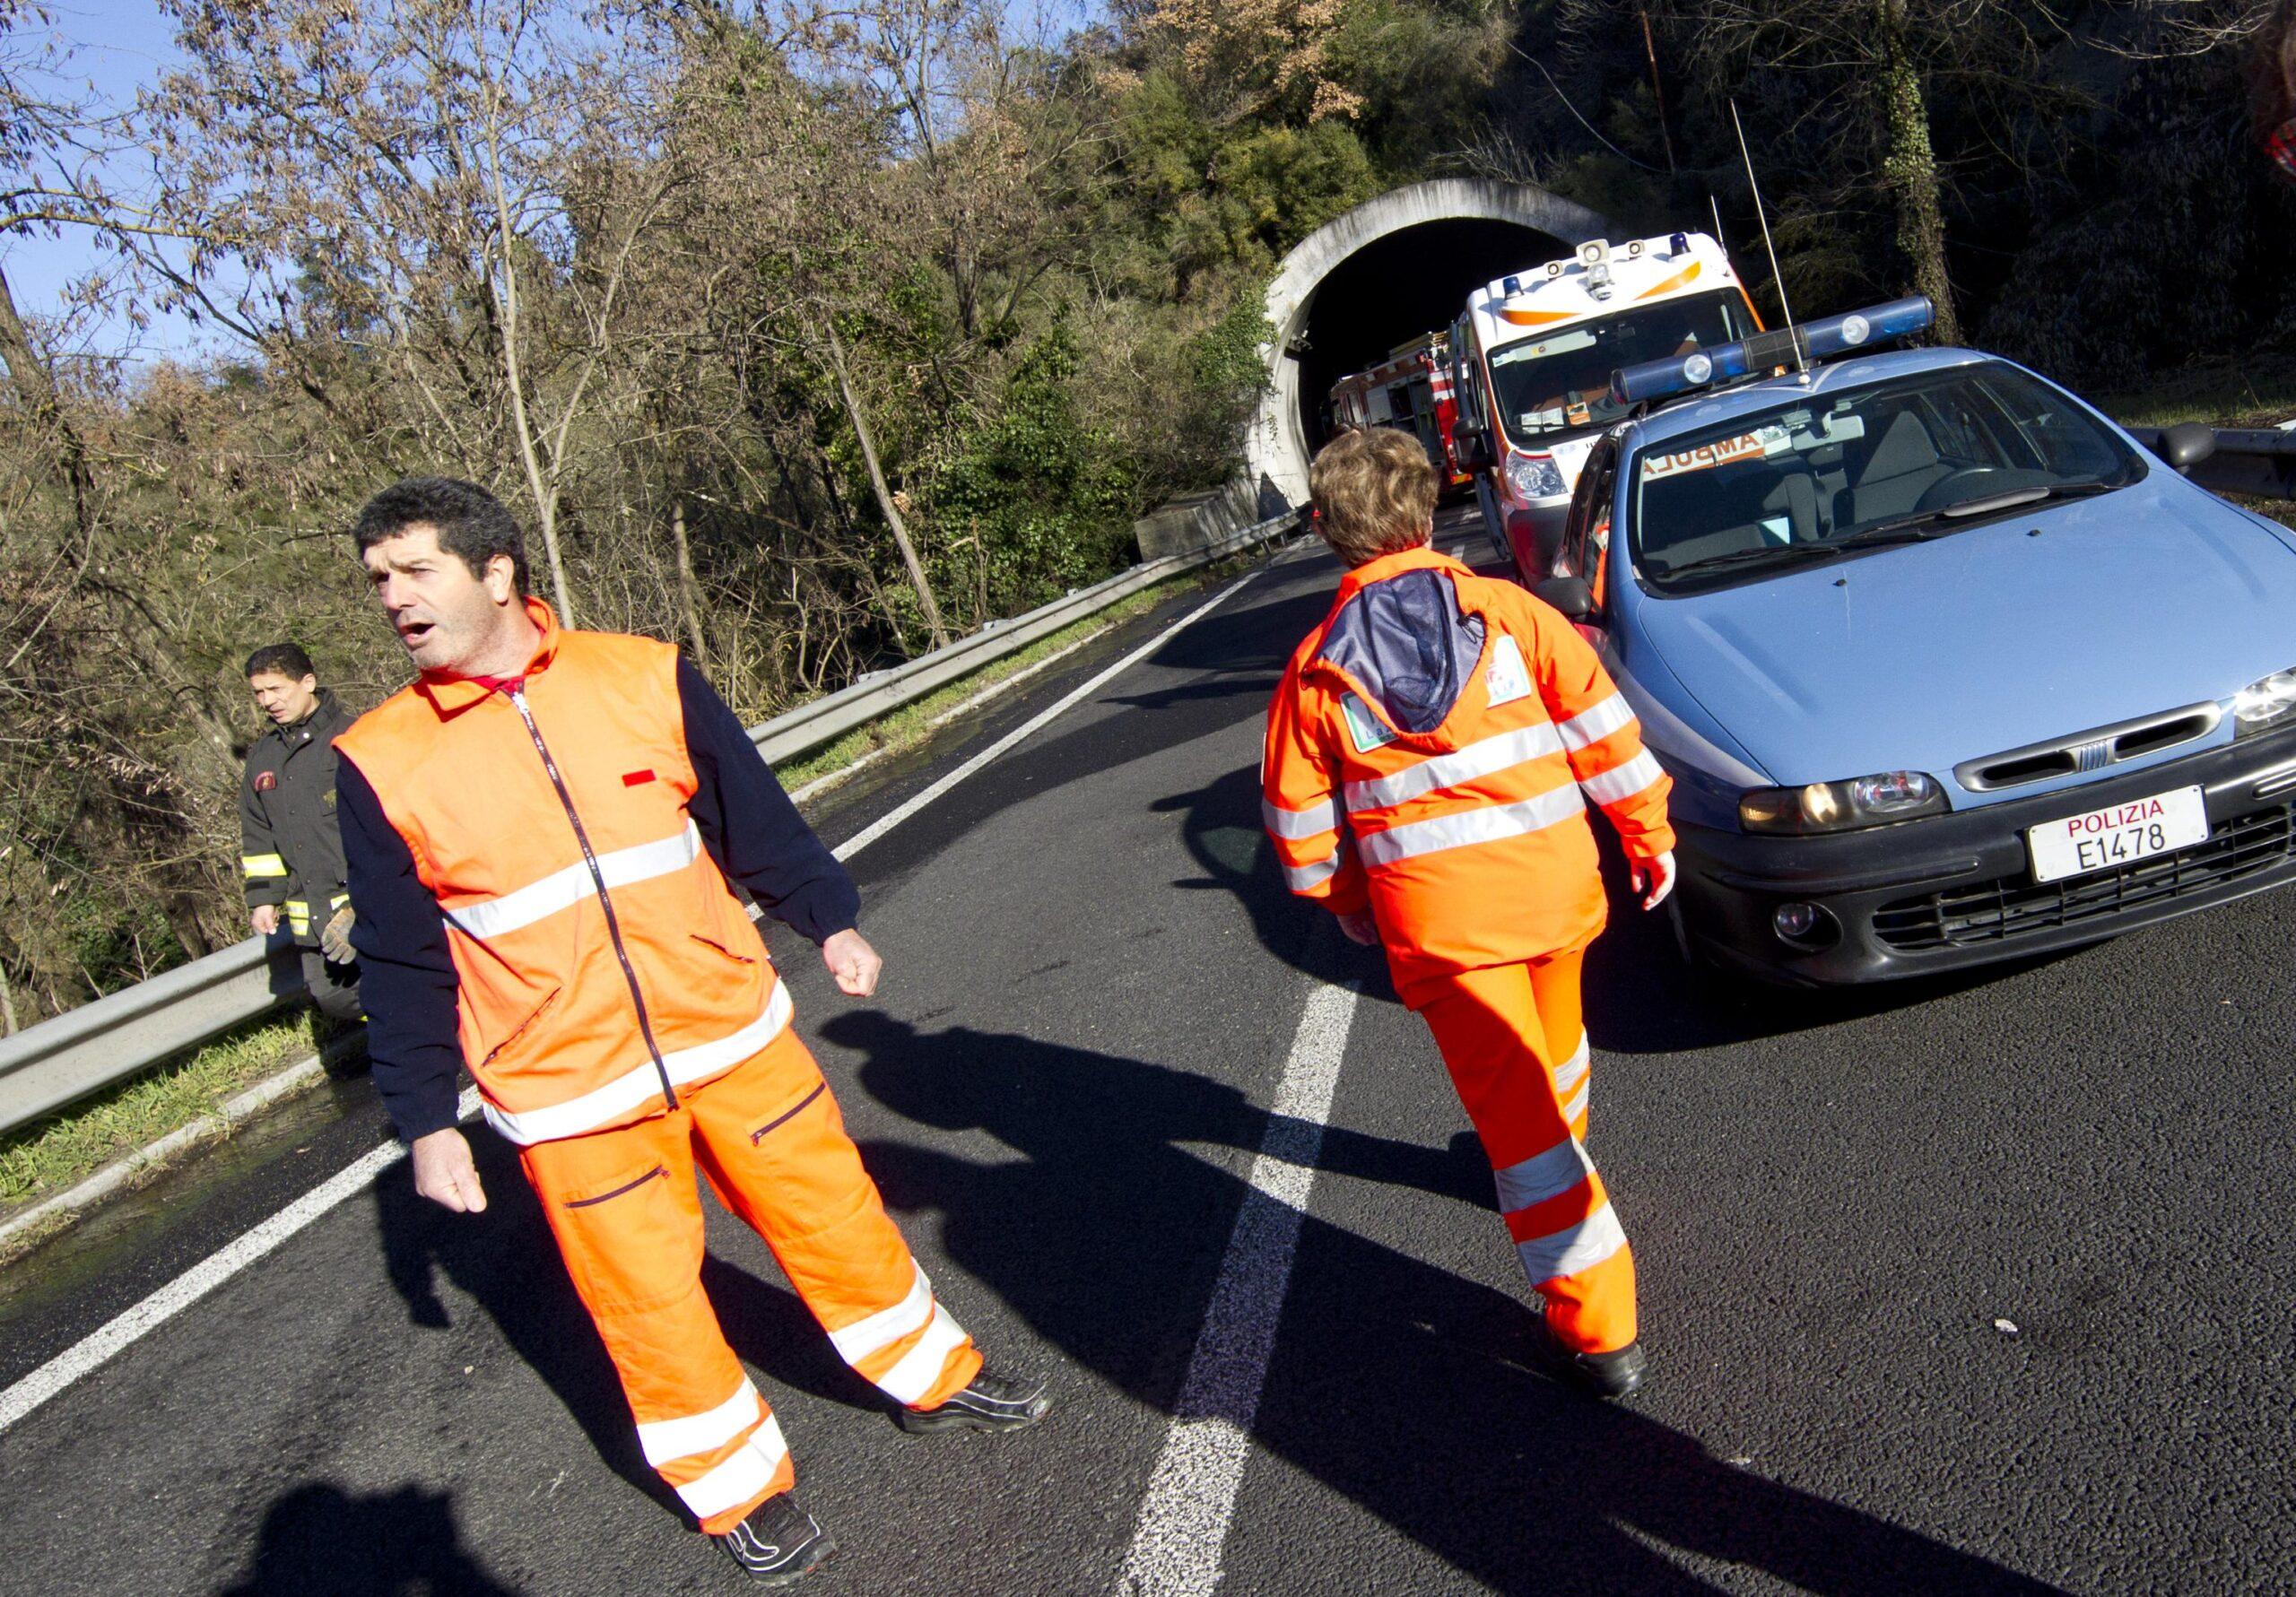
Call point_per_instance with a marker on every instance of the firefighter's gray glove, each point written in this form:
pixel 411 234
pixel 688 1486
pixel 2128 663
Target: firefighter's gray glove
pixel 336 941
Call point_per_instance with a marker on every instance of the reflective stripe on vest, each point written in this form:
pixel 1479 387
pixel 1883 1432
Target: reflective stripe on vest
pixel 1485 758
pixel 1597 722
pixel 640 1085
pixel 485 918
pixel 1487 823
pixel 259 866
pixel 1299 823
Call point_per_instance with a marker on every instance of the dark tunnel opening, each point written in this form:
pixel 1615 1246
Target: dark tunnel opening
pixel 1411 282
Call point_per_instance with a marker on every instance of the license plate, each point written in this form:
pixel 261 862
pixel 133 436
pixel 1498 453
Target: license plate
pixel 2117 836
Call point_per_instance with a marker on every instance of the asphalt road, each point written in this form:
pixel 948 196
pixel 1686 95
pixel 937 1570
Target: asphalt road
pixel 1094 982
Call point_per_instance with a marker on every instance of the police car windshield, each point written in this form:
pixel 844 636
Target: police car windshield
pixel 1559 381
pixel 1895 462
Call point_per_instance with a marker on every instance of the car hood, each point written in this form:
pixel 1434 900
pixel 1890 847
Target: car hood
pixel 1923 655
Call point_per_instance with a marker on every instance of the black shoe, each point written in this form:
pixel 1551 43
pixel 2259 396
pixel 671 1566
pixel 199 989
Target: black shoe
pixel 779 1543
pixel 991 1403
pixel 1617 1373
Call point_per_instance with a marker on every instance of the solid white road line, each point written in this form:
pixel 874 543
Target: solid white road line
pixel 92 1350
pixel 877 828
pixel 1183 1524
pixel 200 1279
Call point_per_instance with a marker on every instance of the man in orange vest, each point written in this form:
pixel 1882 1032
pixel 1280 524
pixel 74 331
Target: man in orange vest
pixel 1431 753
pixel 540 835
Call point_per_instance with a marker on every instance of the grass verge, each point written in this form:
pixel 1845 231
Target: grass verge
pixel 2257 392
pixel 50 1155
pixel 912 724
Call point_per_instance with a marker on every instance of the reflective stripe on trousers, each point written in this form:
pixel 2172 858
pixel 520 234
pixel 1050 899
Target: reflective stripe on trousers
pixel 1514 1041
pixel 626 1212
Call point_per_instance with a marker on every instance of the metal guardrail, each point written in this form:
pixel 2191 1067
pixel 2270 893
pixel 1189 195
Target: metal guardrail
pixel 2259 462
pixel 46 1067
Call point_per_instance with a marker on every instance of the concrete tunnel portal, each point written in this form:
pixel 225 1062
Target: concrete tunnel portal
pixel 1390 269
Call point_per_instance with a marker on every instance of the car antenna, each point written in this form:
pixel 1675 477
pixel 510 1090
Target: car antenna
pixel 1715 205
pixel 1792 337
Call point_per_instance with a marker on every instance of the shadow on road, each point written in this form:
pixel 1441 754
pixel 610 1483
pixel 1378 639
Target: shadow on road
pixel 1640 997
pixel 319 1538
pixel 1396 1384
pixel 507 1261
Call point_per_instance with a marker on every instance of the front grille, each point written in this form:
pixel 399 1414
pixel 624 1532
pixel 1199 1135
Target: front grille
pixel 2008 907
pixel 2084 752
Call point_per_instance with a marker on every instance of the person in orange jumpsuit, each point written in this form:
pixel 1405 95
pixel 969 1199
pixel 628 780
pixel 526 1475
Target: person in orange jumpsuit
pixel 540 833
pixel 1430 757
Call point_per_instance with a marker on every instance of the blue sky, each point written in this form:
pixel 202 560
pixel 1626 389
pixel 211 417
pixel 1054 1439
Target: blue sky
pixel 115 46
pixel 112 46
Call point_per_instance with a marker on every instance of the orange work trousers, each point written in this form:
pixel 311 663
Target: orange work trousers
pixel 623 1205
pixel 1515 1044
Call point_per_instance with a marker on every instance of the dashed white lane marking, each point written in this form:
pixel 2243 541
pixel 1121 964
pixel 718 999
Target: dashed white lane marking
pixel 1183 1524
pixel 131 1324
pixel 877 828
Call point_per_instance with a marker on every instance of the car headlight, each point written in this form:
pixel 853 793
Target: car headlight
pixel 1841 807
pixel 1535 476
pixel 2265 705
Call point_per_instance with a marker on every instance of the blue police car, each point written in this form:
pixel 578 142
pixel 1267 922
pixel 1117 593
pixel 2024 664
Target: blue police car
pixel 1947 667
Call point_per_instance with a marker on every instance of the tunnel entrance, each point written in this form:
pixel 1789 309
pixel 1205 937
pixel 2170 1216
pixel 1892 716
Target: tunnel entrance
pixel 1382 274
pixel 1409 283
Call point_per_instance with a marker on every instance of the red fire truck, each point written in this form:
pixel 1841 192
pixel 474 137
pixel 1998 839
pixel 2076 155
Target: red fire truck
pixel 1409 391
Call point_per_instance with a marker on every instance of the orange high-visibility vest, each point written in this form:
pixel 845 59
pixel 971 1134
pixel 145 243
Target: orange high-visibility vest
pixel 602 961
pixel 1429 755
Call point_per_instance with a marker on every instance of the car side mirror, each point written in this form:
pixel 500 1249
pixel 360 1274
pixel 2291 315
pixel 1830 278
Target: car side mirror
pixel 1472 445
pixel 1569 594
pixel 2187 444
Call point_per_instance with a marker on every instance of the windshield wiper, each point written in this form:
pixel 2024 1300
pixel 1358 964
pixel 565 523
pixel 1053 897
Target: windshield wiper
pixel 1962 510
pixel 2023 495
pixel 1766 553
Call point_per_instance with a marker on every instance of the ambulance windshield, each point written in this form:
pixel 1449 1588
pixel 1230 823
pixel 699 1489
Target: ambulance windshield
pixel 1559 382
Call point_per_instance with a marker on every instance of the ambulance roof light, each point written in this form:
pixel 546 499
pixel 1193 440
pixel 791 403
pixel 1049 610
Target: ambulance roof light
pixel 1855 330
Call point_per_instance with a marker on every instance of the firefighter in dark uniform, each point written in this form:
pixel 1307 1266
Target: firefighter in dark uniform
pixel 289 850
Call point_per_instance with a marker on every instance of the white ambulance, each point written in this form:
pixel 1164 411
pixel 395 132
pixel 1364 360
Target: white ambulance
pixel 1532 360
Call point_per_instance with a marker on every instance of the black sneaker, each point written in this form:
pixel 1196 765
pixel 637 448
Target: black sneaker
pixel 991 1403
pixel 779 1543
pixel 1616 1374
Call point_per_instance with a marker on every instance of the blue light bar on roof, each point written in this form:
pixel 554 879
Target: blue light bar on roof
pixel 1819 340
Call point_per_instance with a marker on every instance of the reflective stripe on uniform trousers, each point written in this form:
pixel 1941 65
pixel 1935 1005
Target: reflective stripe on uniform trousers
pixel 1487 823
pixel 662 1440
pixel 260 866
pixel 1573 1070
pixel 563 888
pixel 857 1341
pixel 643 1083
pixel 914 1374
pixel 1573 1248
pixel 1543 1175
pixel 747 1473
pixel 1484 758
